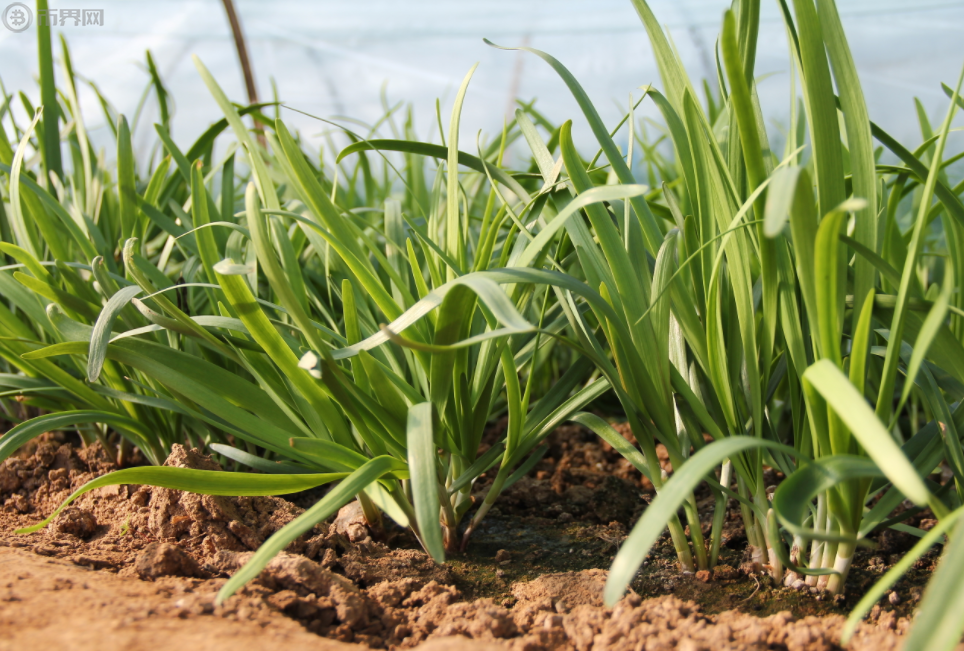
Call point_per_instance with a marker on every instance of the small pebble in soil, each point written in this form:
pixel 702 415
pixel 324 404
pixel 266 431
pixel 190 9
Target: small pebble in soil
pixel 893 598
pixel 500 573
pixel 502 557
pixel 565 517
pixel 552 621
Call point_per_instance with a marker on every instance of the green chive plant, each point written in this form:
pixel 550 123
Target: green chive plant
pixel 781 327
pixel 63 230
pixel 687 356
pixel 430 347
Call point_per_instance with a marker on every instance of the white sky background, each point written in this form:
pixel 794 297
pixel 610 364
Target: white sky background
pixel 333 57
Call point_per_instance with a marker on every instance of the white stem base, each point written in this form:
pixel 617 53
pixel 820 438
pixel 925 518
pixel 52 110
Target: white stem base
pixel 757 558
pixel 776 566
pixel 841 565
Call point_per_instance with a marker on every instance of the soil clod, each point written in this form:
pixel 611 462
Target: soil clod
pixel 74 521
pixel 165 559
pixel 209 523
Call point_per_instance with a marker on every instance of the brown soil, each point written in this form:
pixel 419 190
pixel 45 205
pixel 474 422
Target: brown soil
pixel 135 568
pixel 50 603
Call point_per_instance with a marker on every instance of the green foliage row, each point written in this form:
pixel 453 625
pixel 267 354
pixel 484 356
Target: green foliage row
pixel 361 317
